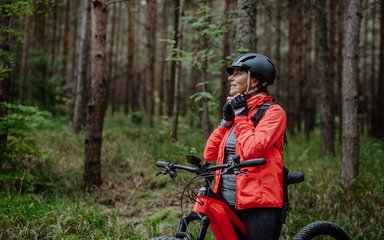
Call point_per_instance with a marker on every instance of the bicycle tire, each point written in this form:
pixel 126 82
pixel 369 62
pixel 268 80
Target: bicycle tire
pixel 165 238
pixel 322 228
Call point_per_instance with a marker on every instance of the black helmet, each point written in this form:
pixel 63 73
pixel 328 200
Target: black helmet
pixel 256 64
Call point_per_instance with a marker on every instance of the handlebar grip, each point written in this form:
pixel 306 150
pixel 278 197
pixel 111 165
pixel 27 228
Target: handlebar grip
pixel 161 164
pixel 252 162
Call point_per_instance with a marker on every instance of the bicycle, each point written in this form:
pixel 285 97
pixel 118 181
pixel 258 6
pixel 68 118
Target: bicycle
pixel 213 212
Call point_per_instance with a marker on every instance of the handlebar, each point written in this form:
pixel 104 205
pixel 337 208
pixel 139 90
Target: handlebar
pixel 197 170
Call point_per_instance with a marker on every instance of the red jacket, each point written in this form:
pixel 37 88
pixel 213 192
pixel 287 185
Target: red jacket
pixel 263 187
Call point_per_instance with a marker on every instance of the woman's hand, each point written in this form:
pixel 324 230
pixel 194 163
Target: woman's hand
pixel 228 113
pixel 239 104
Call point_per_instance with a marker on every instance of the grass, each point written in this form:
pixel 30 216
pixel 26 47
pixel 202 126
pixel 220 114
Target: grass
pixel 47 201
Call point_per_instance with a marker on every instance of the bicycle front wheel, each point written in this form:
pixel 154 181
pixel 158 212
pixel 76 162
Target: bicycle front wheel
pixel 322 228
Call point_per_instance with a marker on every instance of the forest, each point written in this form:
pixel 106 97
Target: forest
pixel 93 93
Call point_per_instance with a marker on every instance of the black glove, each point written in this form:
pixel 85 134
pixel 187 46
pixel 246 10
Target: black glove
pixel 239 104
pixel 228 114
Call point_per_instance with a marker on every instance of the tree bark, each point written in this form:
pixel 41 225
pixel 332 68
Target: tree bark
pixel 378 116
pixel 245 40
pixel 350 129
pixel 99 96
pixel 339 76
pixel 163 54
pixel 171 84
pixel 54 41
pixel 178 45
pixel 113 57
pixel 294 78
pixel 67 29
pixel 24 59
pixel 151 63
pixel 309 84
pixel 130 81
pixel 334 57
pixel 226 52
pixel 325 90
pixel 277 58
pixel 5 79
pixel 80 81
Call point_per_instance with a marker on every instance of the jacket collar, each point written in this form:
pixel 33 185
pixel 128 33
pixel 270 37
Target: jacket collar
pixel 258 100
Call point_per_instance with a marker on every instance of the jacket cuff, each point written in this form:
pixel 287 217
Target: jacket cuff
pixel 225 124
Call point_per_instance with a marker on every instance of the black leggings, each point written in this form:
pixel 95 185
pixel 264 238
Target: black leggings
pixel 261 223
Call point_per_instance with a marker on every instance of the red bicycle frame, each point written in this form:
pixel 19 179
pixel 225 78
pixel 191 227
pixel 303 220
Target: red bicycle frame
pixel 222 218
pixel 213 212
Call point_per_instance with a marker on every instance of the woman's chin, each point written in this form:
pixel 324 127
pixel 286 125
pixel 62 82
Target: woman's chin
pixel 233 93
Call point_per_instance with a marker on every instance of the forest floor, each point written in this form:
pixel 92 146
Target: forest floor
pixel 46 199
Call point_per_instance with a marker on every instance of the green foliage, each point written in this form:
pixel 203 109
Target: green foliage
pixel 11 8
pixel 47 92
pixel 18 125
pixel 162 222
pixel 4 72
pixel 20 155
pixel 135 204
pixel 8 9
pixel 32 216
pixel 198 96
pixel 322 196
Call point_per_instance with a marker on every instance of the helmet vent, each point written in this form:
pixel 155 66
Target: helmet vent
pixel 247 58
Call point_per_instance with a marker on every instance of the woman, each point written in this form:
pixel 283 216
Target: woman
pixel 257 197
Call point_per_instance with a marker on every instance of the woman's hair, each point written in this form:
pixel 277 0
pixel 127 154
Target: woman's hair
pixel 260 78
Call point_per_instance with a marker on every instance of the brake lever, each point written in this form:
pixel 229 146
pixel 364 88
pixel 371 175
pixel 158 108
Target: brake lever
pixel 168 170
pixel 238 171
pixel 230 168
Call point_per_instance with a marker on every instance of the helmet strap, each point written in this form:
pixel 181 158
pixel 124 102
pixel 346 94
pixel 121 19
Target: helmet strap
pixel 256 89
pixel 248 81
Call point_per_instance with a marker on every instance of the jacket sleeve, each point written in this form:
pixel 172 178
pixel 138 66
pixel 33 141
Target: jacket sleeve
pixel 212 147
pixel 254 142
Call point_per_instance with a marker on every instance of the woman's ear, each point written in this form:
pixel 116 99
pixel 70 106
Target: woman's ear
pixel 254 82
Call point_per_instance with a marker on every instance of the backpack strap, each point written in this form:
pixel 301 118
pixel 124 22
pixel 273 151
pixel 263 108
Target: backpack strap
pixel 260 114
pixel 261 111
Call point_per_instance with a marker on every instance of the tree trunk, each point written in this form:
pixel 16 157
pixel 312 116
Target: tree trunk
pixel 66 41
pixel 80 81
pixel 112 39
pixel 171 84
pixel 163 54
pixel 24 59
pixel 130 81
pixel 340 71
pixel 5 79
pixel 278 84
pixel 226 52
pixel 294 78
pixel 363 85
pixel 246 28
pixel 333 49
pixel 350 129
pixel 58 44
pixel 378 126
pixel 309 83
pixel 325 90
pixel 151 62
pixel 178 45
pixel 138 99
pixel 54 41
pixel 98 100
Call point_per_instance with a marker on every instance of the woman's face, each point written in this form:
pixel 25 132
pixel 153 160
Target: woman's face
pixel 237 82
